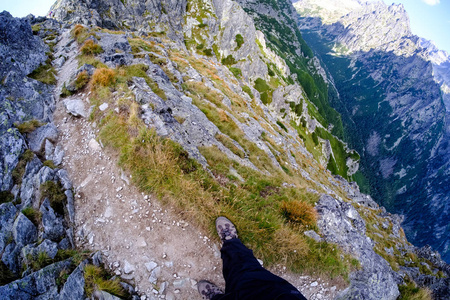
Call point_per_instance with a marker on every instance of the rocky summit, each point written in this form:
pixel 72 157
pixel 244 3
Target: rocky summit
pixel 127 127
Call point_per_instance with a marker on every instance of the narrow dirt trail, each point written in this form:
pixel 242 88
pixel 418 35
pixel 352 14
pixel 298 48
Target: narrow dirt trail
pixel 148 244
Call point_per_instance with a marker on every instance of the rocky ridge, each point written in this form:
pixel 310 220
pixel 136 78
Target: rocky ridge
pixel 37 203
pixel 174 111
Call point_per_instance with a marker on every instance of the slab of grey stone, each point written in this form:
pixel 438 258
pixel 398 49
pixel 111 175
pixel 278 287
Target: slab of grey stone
pixel 11 146
pixel 24 231
pixel 10 257
pixel 53 225
pixel 8 213
pixel 37 138
pixel 64 179
pixel 70 205
pixel 75 107
pixel 74 287
pixel 340 223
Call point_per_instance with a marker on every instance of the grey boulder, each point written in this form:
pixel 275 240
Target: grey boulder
pixel 37 138
pixel 24 231
pixel 75 107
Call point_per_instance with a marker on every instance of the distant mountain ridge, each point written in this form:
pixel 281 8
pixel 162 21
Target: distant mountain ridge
pixel 400 83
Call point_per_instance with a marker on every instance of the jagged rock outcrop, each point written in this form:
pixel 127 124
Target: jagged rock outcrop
pixel 391 89
pixel 154 16
pixel 341 224
pixel 36 205
pixel 20 51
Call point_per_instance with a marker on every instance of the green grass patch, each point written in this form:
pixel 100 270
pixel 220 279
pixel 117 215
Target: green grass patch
pixel 229 60
pixel 236 72
pixel 97 279
pixel 410 291
pixel 45 73
pixel 208 52
pixel 239 39
pixel 28 126
pixel 55 194
pixel 6 196
pixel 261 85
pixel 19 170
pixel 247 90
pixel 50 164
pixel 228 142
pixel 6 276
pixel 38 261
pixel 282 125
pixel 33 214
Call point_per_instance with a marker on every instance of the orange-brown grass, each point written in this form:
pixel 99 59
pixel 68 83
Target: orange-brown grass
pixel 103 77
pixel 81 33
pixel 298 212
pixel 91 48
pixel 78 30
pixel 223 117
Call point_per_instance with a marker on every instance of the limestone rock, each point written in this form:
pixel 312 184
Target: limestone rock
pixel 128 268
pixel 11 146
pixel 7 215
pixel 23 50
pixel 160 15
pixel 340 223
pixel 53 225
pixel 74 287
pixel 75 107
pixel 37 138
pixel 24 231
pixel 41 283
pixel 10 257
pixel 70 205
pixel 102 295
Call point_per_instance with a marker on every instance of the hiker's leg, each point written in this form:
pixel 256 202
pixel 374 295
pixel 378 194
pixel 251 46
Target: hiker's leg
pixel 245 278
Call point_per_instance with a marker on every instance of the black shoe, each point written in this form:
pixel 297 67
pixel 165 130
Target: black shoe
pixel 226 229
pixel 208 289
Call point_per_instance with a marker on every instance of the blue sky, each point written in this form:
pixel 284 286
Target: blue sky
pixel 430 19
pixel 21 8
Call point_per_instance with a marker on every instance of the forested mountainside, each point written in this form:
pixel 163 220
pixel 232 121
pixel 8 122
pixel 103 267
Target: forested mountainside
pixel 211 107
pixel 393 98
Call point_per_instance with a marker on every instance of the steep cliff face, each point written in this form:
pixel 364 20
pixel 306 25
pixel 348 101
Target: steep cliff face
pixel 393 94
pixel 220 106
pixel 156 16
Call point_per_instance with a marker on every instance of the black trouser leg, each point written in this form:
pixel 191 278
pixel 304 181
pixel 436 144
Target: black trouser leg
pixel 246 279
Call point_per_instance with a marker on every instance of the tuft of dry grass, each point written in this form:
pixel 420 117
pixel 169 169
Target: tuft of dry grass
pixel 104 77
pixel 91 48
pixel 299 212
pixel 78 30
